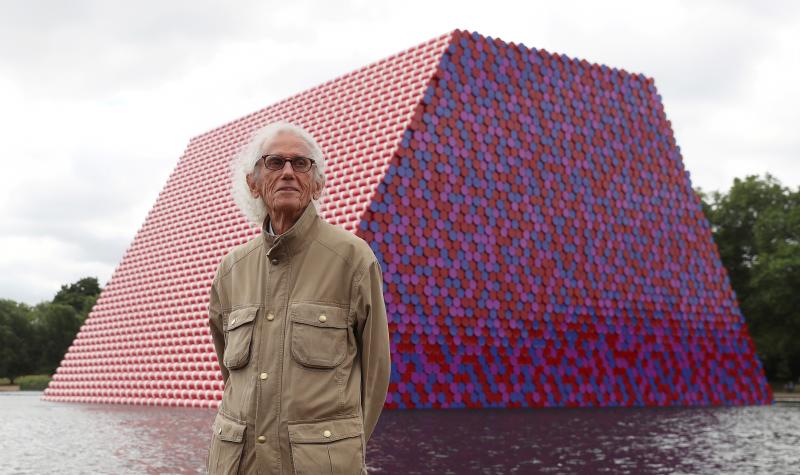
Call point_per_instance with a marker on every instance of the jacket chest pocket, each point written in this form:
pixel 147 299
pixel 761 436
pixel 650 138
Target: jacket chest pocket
pixel 319 335
pixel 238 337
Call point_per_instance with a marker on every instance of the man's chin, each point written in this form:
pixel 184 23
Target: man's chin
pixel 287 207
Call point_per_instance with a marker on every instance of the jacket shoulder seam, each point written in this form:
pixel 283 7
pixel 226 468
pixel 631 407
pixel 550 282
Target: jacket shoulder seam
pixel 233 264
pixel 349 262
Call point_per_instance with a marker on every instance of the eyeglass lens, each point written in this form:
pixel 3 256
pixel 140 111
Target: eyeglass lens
pixel 277 162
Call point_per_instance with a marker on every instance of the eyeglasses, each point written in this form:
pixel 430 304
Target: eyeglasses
pixel 277 162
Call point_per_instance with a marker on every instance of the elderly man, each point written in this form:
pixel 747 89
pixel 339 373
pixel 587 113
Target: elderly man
pixel 298 322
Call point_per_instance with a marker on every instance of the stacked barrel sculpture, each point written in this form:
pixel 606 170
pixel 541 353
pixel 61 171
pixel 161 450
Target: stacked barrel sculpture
pixel 539 236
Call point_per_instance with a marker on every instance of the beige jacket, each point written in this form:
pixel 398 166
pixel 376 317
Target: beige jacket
pixel 299 326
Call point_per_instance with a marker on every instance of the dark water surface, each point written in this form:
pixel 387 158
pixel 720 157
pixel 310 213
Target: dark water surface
pixel 45 437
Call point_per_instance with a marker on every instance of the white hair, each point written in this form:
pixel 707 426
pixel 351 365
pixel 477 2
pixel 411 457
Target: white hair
pixel 245 162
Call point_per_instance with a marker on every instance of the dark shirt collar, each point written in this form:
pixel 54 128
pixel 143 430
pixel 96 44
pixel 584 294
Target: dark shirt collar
pixel 294 239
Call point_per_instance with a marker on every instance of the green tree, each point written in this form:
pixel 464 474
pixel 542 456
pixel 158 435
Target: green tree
pixel 16 338
pixel 55 326
pixel 80 295
pixel 36 339
pixel 756 226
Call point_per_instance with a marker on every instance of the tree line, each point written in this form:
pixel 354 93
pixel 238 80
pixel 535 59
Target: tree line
pixel 756 226
pixel 34 339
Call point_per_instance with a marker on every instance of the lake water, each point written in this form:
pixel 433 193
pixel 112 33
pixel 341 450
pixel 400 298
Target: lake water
pixel 44 437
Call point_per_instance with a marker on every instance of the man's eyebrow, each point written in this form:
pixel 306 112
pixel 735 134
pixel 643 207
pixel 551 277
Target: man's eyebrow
pixel 284 156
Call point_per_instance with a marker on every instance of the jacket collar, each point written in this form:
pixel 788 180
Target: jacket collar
pixel 293 240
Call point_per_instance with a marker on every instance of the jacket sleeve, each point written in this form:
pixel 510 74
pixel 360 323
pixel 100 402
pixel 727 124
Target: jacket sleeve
pixel 373 339
pixel 215 323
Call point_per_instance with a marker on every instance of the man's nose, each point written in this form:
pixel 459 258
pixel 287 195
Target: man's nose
pixel 287 169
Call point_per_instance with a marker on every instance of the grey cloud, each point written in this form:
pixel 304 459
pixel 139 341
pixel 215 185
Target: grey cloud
pixel 93 184
pixel 28 290
pixel 86 48
pixel 777 11
pixel 84 245
pixel 91 48
pixel 68 208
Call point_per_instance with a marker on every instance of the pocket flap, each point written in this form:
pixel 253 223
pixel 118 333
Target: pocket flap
pixel 315 432
pixel 241 316
pixel 227 429
pixel 319 315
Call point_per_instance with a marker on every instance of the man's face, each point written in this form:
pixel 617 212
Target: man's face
pixel 285 192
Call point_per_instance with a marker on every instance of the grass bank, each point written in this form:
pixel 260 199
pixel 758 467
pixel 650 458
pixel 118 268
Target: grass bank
pixel 31 382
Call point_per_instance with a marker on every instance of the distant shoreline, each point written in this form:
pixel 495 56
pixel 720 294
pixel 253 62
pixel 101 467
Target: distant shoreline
pixel 779 396
pixel 786 397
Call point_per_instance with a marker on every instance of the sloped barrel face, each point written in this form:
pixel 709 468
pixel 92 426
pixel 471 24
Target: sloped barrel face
pixel 147 339
pixel 542 245
pixel 540 241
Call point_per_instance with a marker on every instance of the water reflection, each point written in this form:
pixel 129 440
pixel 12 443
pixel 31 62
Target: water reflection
pixel 619 440
pixel 44 437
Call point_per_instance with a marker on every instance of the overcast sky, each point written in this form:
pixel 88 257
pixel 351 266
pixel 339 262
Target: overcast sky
pixel 99 98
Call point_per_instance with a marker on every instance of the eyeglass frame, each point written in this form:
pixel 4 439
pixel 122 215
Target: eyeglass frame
pixel 284 160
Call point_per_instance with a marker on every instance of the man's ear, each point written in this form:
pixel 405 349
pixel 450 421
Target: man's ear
pixel 318 186
pixel 251 184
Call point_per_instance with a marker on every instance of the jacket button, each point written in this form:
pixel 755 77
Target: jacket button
pixel 270 317
pixel 261 439
pixel 323 318
pixel 233 321
pixel 263 376
pixel 219 430
pixel 326 434
pixel 274 261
